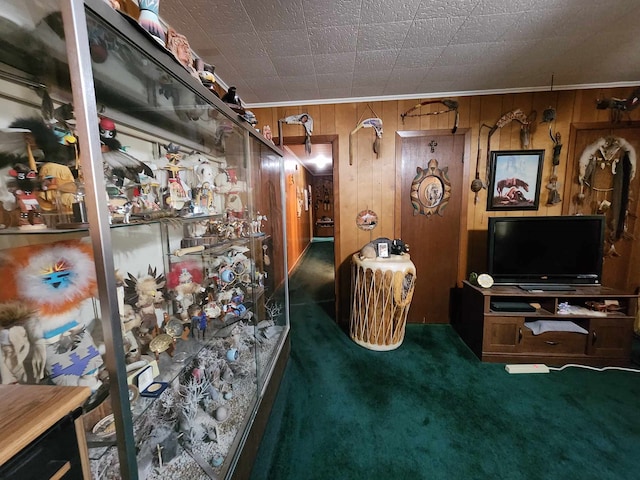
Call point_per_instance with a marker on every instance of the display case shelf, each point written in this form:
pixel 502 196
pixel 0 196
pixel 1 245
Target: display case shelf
pixel 211 176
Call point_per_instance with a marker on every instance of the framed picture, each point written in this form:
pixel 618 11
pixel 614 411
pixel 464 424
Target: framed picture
pixel 514 179
pixel 383 250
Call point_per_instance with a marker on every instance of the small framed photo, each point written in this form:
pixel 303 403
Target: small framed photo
pixel 514 180
pixel 383 250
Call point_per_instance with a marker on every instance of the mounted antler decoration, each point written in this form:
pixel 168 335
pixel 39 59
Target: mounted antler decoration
pixel 452 106
pixel 619 105
pixel 373 122
pixel 303 119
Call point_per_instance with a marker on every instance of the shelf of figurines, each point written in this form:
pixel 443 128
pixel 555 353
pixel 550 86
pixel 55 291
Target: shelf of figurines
pixel 195 385
pixel 192 395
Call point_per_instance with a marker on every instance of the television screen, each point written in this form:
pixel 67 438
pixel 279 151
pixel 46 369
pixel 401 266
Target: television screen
pixel 546 250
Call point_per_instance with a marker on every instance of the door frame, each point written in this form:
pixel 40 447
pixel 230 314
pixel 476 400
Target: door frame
pixel 333 140
pixel 463 239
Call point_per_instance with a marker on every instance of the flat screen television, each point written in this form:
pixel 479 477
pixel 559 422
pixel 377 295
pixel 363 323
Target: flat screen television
pixel 563 250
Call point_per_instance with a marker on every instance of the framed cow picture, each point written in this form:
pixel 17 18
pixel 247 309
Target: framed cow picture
pixel 514 179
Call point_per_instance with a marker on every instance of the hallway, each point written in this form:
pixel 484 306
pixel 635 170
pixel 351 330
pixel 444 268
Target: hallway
pixel 313 279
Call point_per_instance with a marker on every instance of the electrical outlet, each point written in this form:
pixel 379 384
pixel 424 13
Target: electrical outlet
pixel 527 368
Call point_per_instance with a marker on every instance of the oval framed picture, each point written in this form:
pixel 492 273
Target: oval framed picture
pixel 367 220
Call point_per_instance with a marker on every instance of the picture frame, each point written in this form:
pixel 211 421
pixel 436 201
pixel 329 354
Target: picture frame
pixel 514 179
pixel 383 250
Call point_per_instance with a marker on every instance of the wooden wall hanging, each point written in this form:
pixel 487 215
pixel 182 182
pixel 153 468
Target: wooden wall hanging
pixel 605 171
pixel 373 122
pixel 303 119
pixel 430 189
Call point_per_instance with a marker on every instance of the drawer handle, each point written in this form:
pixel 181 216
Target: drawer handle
pixel 594 338
pixel 549 342
pixel 520 335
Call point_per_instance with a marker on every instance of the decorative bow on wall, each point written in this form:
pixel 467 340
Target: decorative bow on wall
pixel 303 119
pixel 452 106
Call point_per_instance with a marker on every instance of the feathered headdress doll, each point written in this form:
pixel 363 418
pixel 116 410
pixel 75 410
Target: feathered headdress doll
pixel 54 280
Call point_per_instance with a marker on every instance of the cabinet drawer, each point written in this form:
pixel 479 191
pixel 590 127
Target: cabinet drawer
pixel 554 342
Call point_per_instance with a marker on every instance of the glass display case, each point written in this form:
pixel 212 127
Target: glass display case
pixel 142 244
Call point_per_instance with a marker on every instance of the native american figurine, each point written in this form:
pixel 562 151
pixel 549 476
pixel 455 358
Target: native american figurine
pixel 55 280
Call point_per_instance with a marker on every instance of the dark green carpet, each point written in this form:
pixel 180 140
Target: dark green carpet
pixel 431 410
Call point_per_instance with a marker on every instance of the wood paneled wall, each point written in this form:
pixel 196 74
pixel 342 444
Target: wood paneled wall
pixel 297 178
pixel 370 182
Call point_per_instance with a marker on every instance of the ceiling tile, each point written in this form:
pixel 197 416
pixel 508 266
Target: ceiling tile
pixel 333 39
pixel 301 93
pixel 340 92
pixel 237 46
pixel 375 60
pixel 274 14
pixel 366 78
pixel 293 66
pixel 334 80
pixel 485 28
pixel 227 16
pixel 488 7
pixel 331 14
pixel 445 8
pixel 470 54
pixel 418 57
pixel 382 36
pixel 281 43
pixel 334 63
pixel 299 81
pixel 432 32
pixel 256 68
pixel 367 91
pixel 378 11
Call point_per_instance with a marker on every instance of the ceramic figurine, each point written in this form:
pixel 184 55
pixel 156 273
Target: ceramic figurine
pixel 118 164
pixel 179 46
pixel 149 20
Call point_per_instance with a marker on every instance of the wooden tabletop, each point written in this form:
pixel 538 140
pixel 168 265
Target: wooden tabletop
pixel 27 411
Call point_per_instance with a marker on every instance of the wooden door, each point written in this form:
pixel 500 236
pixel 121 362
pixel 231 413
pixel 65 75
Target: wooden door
pixel 434 237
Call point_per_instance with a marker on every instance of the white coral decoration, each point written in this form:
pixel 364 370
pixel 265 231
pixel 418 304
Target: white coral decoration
pixel 274 310
pixel 192 393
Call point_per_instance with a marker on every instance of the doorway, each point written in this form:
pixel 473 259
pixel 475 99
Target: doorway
pixel 319 165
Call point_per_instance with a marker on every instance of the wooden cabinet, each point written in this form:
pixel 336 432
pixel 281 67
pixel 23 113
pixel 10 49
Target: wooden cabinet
pixel 41 434
pixel 604 338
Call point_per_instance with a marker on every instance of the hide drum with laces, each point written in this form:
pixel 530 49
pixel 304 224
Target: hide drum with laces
pixel 382 289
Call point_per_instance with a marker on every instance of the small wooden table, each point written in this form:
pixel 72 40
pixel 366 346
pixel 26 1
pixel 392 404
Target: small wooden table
pixel 28 413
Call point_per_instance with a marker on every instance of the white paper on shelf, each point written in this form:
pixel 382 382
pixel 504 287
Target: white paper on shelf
pixel 541 326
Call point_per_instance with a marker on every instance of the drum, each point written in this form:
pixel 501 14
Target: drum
pixel 382 289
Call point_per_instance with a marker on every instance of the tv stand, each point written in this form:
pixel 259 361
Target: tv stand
pixel 534 288
pixel 504 337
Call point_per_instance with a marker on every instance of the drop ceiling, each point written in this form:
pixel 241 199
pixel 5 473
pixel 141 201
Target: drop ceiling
pixel 293 52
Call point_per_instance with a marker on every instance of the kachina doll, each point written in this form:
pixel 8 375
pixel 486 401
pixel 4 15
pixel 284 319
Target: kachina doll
pixel 56 279
pixel 185 282
pixel 199 321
